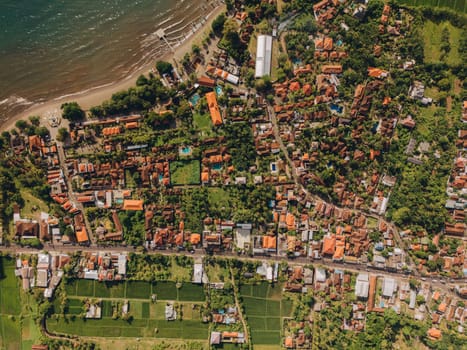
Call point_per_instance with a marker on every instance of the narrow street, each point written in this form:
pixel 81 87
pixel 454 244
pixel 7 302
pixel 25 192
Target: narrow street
pixel 71 195
pixel 238 306
pixel 315 198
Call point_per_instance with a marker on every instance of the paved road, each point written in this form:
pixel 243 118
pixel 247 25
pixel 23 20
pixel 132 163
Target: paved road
pixel 441 284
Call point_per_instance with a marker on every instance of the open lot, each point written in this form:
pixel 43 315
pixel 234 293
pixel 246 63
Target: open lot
pixel 432 42
pixel 185 172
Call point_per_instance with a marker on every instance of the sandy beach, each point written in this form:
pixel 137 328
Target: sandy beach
pixel 96 96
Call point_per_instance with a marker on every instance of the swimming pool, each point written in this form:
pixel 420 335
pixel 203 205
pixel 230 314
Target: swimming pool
pixel 185 151
pixel 194 99
pixel 336 108
pixel 218 90
pixel 217 166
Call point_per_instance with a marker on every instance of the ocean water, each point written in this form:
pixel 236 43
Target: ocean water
pixel 52 48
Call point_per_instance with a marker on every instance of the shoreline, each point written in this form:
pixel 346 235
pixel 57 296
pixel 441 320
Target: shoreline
pixel 94 96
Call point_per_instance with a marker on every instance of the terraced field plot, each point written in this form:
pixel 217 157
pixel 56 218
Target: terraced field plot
pixel 135 290
pixel 148 318
pixel 264 310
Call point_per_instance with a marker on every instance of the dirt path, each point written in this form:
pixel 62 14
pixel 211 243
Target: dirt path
pixel 237 305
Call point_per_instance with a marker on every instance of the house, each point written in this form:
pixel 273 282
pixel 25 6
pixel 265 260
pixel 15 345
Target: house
pixel 215 338
pixel 362 286
pixel 263 56
pixel 331 69
pixel 434 334
pixel 289 343
pixel 389 287
pixel 170 313
pixel 132 204
pixel 377 73
pixel 27 229
pixel 214 108
pixel 233 337
pixel 198 273
pixel 40 347
pixel 82 235
pixel 206 82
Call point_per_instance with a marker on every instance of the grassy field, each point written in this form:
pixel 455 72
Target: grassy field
pixel 264 308
pixel 150 343
pixel 185 172
pixel 134 290
pixel 202 123
pixel 432 42
pixel 31 202
pixel 458 5
pixel 187 329
pixel 219 198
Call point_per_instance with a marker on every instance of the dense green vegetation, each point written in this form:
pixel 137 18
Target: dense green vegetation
pixel 72 111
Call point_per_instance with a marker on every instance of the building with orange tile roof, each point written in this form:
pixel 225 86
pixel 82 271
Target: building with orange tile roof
pixel 132 204
pixel 377 72
pixel 205 177
pixel 332 69
pixel 442 308
pixel 112 130
pixel 288 343
pixel 339 253
pixel 269 242
pixel 131 125
pixel 434 334
pixel 307 89
pixel 195 238
pixel 371 293
pixel 294 86
pixel 35 143
pixel 206 81
pixel 290 221
pixel 82 235
pixel 214 108
pixel 329 245
pixel 328 44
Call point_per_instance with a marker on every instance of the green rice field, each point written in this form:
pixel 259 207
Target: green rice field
pixel 147 318
pixel 135 290
pixel 264 309
pixel 18 329
pixel 457 5
pixel 108 327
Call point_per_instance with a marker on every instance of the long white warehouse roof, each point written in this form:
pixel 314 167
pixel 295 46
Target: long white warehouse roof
pixel 263 56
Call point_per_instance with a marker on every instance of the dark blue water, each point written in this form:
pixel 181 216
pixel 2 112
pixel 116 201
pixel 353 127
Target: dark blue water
pixel 51 48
